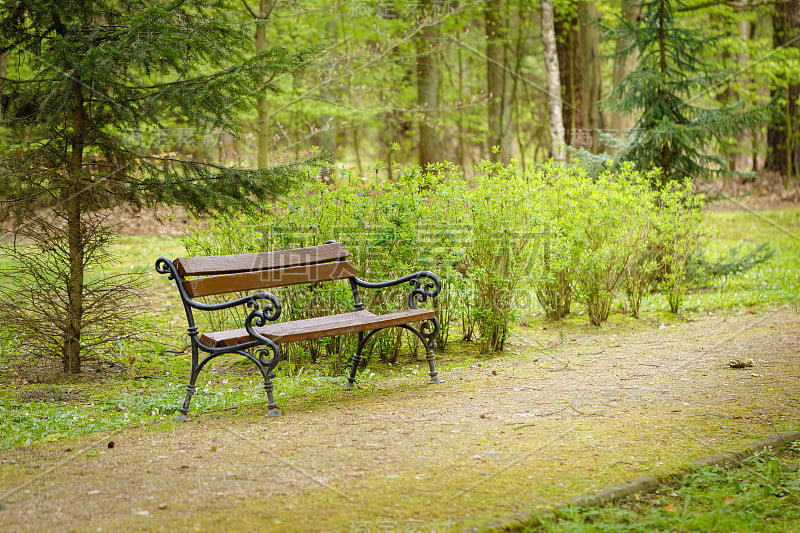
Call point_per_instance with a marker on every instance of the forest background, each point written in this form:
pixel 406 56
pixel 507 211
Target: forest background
pixel 212 106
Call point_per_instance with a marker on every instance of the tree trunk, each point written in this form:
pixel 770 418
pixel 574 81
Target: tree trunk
pixel 430 150
pixel 570 75
pixel 621 123
pixel 557 150
pixel 499 117
pixel 783 148
pixel 3 72
pixel 262 105
pixel 327 138
pixel 71 352
pixel 591 74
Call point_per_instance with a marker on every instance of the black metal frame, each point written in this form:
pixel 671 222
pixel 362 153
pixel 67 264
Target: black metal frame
pixel 266 307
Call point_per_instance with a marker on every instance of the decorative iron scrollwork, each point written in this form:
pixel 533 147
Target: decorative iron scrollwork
pixel 165 266
pixel 429 329
pixel 265 308
pixel 425 285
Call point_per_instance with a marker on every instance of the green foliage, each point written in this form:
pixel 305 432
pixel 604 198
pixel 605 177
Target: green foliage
pixel 552 233
pixel 612 232
pixel 679 238
pixel 736 261
pixel 81 75
pixel 501 251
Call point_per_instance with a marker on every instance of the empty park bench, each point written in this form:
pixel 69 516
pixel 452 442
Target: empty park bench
pixel 260 338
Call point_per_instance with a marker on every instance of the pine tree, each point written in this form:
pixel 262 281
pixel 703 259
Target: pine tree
pixel 672 132
pixel 83 74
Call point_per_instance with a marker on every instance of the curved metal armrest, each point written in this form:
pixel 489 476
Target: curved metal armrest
pixel 271 308
pixel 424 285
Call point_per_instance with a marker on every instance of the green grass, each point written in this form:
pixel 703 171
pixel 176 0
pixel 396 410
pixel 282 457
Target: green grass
pixel 763 494
pixel 775 282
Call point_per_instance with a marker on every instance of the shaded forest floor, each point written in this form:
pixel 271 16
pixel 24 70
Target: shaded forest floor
pixel 568 411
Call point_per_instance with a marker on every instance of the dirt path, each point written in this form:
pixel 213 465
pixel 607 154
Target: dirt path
pixel 563 416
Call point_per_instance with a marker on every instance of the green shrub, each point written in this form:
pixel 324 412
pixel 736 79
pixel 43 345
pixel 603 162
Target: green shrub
pixel 557 193
pixel 617 211
pixel 553 234
pixel 678 237
pixel 502 251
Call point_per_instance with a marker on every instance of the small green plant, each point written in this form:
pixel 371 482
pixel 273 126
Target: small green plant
pixel 502 250
pixel 679 237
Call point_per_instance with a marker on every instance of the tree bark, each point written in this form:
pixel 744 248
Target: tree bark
pixel 591 74
pixel 262 104
pixel 569 74
pixel 499 110
pixel 557 150
pixel 3 72
pixel 783 148
pixel 621 123
pixel 71 352
pixel 430 149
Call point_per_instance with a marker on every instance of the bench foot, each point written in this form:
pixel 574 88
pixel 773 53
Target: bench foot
pixel 435 379
pixel 183 417
pixel 274 413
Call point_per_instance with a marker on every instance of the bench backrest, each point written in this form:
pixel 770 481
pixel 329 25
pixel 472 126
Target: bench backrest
pixel 248 272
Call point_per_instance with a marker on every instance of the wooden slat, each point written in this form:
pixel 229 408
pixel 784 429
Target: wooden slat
pixel 264 279
pixel 314 328
pixel 229 264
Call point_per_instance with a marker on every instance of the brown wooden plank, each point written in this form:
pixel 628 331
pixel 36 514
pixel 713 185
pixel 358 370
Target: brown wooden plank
pixel 264 279
pixel 229 264
pixel 314 328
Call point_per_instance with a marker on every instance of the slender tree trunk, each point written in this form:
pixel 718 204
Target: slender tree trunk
pixel 460 121
pixel 557 150
pixel 569 73
pixel 327 138
pixel 262 104
pixel 783 150
pixel 71 353
pixel 3 72
pixel 357 149
pixel 619 122
pixel 662 65
pixel 499 117
pixel 430 149
pixel 591 74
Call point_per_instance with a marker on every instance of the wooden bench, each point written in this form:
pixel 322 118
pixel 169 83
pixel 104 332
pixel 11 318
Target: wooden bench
pixel 260 338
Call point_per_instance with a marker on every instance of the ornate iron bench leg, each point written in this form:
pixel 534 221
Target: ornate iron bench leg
pixel 271 404
pixel 351 379
pixel 190 388
pixel 433 373
pixel 267 365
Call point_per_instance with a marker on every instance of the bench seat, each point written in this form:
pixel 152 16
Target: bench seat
pixel 315 328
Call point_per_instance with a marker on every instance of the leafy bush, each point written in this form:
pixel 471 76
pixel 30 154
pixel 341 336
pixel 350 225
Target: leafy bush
pixel 678 238
pixel 502 251
pixel 552 234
